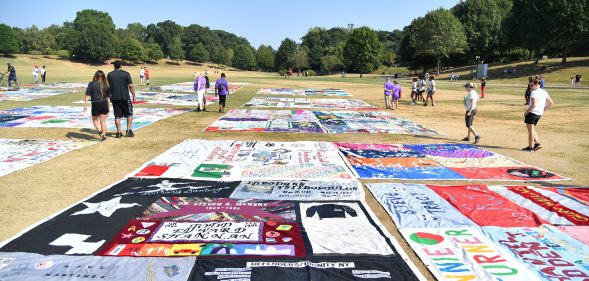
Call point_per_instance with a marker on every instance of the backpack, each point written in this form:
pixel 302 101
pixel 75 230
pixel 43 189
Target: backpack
pixel 207 82
pixel 219 88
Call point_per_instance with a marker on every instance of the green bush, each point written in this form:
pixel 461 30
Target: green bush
pixel 35 53
pixel 63 54
pixel 282 72
pixel 48 51
pixel 311 72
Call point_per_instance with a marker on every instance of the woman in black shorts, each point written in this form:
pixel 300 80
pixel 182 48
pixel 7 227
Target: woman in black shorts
pixel 98 91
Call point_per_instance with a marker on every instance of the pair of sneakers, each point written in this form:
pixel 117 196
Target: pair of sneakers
pixel 128 134
pixel 532 149
pixel 476 139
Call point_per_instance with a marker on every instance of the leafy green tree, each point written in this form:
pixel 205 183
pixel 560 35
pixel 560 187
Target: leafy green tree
pixel 8 42
pixel 219 55
pixel 37 40
pixel 285 51
pixel 363 52
pixel 330 63
pixel 96 35
pixel 198 53
pixel 132 50
pixel 229 56
pixel 300 58
pixel 439 33
pixel 154 52
pixel 176 52
pixel 483 21
pixel 548 24
pixel 137 31
pixel 244 58
pixel 67 37
pixel 265 57
pixel 390 58
pixel 164 33
pixel 316 41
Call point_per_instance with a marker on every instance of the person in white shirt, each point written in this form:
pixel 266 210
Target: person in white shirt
pixel 470 104
pixel 431 90
pixel 142 75
pixel 540 101
pixel 413 90
pixel 36 74
pixel 420 88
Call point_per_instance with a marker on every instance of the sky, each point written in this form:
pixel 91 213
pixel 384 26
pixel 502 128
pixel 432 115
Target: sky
pixel 259 21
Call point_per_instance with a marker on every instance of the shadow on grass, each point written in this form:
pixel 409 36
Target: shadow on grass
pixel 85 134
pixel 431 137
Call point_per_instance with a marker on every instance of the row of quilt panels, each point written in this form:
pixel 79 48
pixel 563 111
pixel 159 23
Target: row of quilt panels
pixel 188 87
pixel 478 232
pixel 304 121
pixel 257 160
pixel 303 92
pixel 204 230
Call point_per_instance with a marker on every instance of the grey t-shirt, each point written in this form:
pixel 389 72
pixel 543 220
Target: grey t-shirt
pixel 119 81
pixel 93 90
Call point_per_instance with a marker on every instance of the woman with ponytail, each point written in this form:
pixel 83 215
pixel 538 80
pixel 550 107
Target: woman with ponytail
pixel 98 91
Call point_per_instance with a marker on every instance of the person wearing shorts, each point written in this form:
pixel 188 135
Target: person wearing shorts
pixel 431 90
pixel 99 93
pixel 396 94
pixel 540 101
pixel 420 89
pixel 120 83
pixel 413 90
pixel 470 104
pixel 222 90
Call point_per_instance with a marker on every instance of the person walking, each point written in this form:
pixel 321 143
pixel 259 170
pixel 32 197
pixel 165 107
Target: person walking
pixel 120 83
pixel 36 73
pixel 483 86
pixel 397 91
pixel 413 90
pixel 199 88
pixel 204 96
pixel 420 89
pixel 11 74
pixel 99 93
pixel 43 74
pixel 222 90
pixel 388 91
pixel 146 76
pixel 540 101
pixel 470 104
pixel 142 75
pixel 431 90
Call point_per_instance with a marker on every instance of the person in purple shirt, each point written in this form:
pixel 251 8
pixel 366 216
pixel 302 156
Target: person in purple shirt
pixel 222 90
pixel 396 94
pixel 199 88
pixel 388 91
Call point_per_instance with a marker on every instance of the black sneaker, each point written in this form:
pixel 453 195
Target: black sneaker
pixel 466 139
pixel 129 134
pixel 103 137
pixel 528 149
pixel 118 135
pixel 477 139
pixel 537 147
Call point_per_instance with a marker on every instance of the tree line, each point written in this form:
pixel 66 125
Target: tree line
pixel 489 30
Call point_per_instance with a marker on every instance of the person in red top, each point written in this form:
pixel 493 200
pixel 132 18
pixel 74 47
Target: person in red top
pixel 147 76
pixel 290 72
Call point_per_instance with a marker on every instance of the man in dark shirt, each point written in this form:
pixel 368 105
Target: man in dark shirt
pixel 120 83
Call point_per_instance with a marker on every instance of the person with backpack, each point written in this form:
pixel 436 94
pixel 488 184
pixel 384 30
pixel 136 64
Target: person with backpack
pixel 222 90
pixel 199 88
pixel 207 86
pixel 99 93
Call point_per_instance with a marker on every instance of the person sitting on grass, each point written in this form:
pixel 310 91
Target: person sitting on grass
pixel 470 104
pixel 540 101
pixel 99 93
pixel 222 90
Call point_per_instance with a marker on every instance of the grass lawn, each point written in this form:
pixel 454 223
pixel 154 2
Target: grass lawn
pixel 32 194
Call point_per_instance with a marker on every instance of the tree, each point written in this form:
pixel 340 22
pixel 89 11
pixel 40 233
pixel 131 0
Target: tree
pixel 164 33
pixel 363 51
pixel 330 63
pixel 316 41
pixel 67 37
pixel 198 53
pixel 219 55
pixel 96 35
pixel 390 58
pixel 265 57
pixel 154 52
pixel 176 52
pixel 229 57
pixel 439 33
pixel 483 20
pixel 285 51
pixel 300 58
pixel 8 42
pixel 244 58
pixel 137 31
pixel 132 50
pixel 543 24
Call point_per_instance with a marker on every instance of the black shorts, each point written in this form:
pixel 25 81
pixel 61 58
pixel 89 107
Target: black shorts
pixel 532 118
pixel 122 108
pixel 222 100
pixel 100 108
pixel 469 118
pixel 431 92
